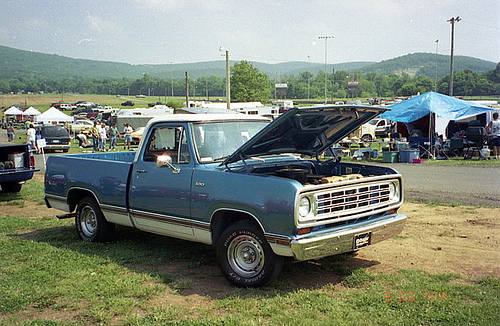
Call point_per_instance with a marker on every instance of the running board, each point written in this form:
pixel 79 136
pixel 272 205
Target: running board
pixel 63 216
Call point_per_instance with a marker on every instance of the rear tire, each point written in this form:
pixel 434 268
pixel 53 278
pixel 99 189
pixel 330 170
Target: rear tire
pixel 245 257
pixel 416 133
pixel 90 222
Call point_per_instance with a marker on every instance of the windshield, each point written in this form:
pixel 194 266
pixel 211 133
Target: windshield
pixel 216 141
pixel 55 132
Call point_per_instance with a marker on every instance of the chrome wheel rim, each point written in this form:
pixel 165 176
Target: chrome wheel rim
pixel 245 256
pixel 88 222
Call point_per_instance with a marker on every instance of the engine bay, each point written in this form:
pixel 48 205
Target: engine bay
pixel 315 172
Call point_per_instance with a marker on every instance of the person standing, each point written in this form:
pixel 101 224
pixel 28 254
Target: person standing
pixel 494 129
pixel 102 137
pixel 128 136
pixel 95 136
pixel 31 137
pixel 10 132
pixel 113 134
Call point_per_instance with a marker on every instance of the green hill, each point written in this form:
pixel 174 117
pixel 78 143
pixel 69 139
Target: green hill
pixel 426 63
pixel 15 63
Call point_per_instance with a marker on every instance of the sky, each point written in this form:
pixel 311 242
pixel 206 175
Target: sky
pixel 270 31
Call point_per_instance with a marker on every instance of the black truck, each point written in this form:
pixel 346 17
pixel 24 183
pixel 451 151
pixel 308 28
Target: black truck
pixel 17 165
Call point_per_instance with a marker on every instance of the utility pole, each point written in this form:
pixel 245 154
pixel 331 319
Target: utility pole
pixel 452 21
pixel 187 90
pixel 308 74
pixel 326 56
pixel 228 83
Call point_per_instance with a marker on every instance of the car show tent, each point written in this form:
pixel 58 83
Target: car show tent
pixel 443 107
pixel 13 111
pixel 53 116
pixel 31 111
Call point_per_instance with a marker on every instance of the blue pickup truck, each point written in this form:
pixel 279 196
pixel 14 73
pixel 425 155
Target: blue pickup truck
pixel 259 191
pixel 17 165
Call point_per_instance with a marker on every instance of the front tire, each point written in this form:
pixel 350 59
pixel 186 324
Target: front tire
pixel 245 257
pixel 366 141
pixel 90 222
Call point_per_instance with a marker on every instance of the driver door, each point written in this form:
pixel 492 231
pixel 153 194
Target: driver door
pixel 160 197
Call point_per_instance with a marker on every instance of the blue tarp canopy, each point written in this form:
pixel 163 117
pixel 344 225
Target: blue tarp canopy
pixel 446 107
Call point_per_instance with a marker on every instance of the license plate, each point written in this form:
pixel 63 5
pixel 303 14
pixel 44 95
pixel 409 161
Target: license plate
pixel 55 141
pixel 362 240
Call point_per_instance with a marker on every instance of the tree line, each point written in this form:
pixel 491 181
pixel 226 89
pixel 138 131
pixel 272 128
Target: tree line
pixel 249 84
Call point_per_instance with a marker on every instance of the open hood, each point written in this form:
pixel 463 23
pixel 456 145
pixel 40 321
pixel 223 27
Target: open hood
pixel 308 130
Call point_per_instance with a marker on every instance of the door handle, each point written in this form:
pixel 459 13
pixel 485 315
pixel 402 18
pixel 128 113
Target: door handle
pixel 141 171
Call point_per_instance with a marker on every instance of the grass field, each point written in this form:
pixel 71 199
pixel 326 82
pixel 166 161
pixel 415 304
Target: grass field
pixel 42 102
pixel 49 277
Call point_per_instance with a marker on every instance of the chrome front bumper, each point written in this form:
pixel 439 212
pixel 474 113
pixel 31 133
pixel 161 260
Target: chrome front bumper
pixel 341 241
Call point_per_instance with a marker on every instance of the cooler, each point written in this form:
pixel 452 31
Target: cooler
pixel 407 156
pixel 390 157
pixel 17 159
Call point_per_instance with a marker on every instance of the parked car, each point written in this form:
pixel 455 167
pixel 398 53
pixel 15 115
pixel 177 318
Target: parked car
pixel 128 103
pixel 56 137
pixel 137 135
pixel 80 126
pixel 92 115
pixel 85 104
pixel 81 111
pixel 64 106
pixel 382 126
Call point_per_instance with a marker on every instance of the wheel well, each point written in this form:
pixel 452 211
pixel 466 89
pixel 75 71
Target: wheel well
pixel 75 195
pixel 223 218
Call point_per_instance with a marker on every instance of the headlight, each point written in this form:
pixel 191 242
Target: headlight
pixel 304 206
pixel 393 191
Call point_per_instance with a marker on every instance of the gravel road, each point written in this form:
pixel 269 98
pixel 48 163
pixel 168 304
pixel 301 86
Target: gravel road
pixel 467 185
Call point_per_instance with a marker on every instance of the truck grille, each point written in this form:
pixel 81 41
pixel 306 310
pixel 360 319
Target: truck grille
pixel 339 202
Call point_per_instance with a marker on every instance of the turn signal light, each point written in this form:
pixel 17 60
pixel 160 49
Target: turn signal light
pixel 393 211
pixel 305 231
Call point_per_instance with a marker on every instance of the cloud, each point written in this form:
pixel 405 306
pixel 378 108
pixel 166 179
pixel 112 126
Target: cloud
pixel 175 5
pixel 105 26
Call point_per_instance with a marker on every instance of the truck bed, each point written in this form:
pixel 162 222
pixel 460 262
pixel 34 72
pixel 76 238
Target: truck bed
pixel 15 166
pixel 105 174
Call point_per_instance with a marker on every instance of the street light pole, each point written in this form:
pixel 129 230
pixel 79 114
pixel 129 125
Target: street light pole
pixel 452 21
pixel 326 56
pixel 436 76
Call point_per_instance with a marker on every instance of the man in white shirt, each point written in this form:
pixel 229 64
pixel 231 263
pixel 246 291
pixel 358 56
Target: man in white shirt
pixel 31 137
pixel 102 137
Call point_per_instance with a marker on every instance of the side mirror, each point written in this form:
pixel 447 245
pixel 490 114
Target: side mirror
pixel 166 161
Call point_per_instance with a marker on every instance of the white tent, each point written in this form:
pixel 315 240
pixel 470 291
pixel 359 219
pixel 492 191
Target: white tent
pixel 53 116
pixel 13 111
pixel 31 111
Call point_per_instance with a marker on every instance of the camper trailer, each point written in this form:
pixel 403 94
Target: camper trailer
pixel 139 117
